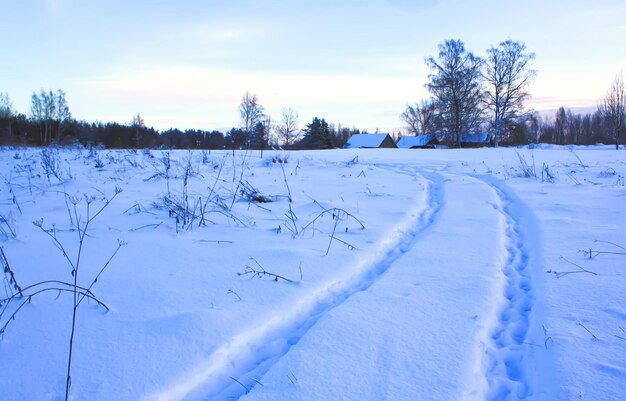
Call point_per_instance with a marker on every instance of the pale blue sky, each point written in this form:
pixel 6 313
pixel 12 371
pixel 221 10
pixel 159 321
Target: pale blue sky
pixel 186 63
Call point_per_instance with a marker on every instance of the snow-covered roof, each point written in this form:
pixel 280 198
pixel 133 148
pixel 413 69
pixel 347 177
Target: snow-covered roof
pixel 482 137
pixel 366 141
pixel 407 142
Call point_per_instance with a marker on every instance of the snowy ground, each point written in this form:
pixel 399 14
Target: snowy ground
pixel 466 281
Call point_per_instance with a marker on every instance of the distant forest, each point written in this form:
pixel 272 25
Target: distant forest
pixel 18 129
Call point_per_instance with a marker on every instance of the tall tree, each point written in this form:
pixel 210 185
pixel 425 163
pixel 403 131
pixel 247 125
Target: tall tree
pixel 560 126
pixel 49 112
pixel 421 118
pixel 250 113
pixel 317 135
pixel 61 110
pixel 36 114
pixel 613 109
pixel 6 111
pixel 260 135
pixel 138 125
pixel 508 75
pixel 455 83
pixel 288 127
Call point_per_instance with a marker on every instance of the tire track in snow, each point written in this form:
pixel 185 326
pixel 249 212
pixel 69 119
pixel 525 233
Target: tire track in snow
pixel 505 346
pixel 249 355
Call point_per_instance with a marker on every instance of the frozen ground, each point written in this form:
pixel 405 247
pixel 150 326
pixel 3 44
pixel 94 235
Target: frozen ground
pixel 391 274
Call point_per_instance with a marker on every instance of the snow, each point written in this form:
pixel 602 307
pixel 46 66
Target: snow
pixel 464 284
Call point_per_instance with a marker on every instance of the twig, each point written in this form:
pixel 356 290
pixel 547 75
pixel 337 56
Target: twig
pixel 332 236
pixel 38 284
pixel 588 331
pixel 294 380
pixel 610 243
pixel 7 270
pixel 216 241
pixel 252 272
pixel 286 183
pixel 12 192
pixel 574 179
pixel 7 223
pixel 231 291
pixel 623 331
pixel 154 226
pixel 28 298
pixel 335 214
pixel 292 216
pixel 582 270
pixel 134 206
pixel 120 244
pixel 241 384
pixel 591 253
pixel 350 246
pixel 583 165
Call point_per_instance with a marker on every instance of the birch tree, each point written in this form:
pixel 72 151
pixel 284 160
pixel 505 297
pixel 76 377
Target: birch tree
pixel 138 124
pixel 288 129
pixel 61 110
pixel 455 84
pixel 250 113
pixel 508 75
pixel 421 118
pixel 613 109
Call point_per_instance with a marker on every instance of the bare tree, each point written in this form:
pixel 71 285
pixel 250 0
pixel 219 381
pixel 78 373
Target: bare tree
pixel 42 111
pixel 61 110
pixel 508 75
pixel 613 109
pixel 6 110
pixel 455 83
pixel 139 125
pixel 36 114
pixel 250 112
pixel 421 117
pixel 561 126
pixel 47 109
pixel 288 129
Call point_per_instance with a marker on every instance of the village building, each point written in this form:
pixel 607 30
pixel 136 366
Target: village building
pixel 370 141
pixel 417 142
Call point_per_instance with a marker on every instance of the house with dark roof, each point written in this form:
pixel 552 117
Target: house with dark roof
pixel 370 141
pixel 478 140
pixel 417 142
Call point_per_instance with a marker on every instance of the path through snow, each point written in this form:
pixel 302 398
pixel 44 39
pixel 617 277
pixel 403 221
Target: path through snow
pixel 237 366
pixel 506 344
pixel 374 334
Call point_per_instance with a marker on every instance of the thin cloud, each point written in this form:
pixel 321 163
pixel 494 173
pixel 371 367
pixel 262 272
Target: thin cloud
pixel 192 84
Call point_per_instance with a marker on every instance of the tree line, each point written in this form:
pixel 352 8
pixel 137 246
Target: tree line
pixel 471 94
pixel 50 122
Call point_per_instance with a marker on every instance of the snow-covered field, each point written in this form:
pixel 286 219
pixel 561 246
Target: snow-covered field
pixel 338 275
